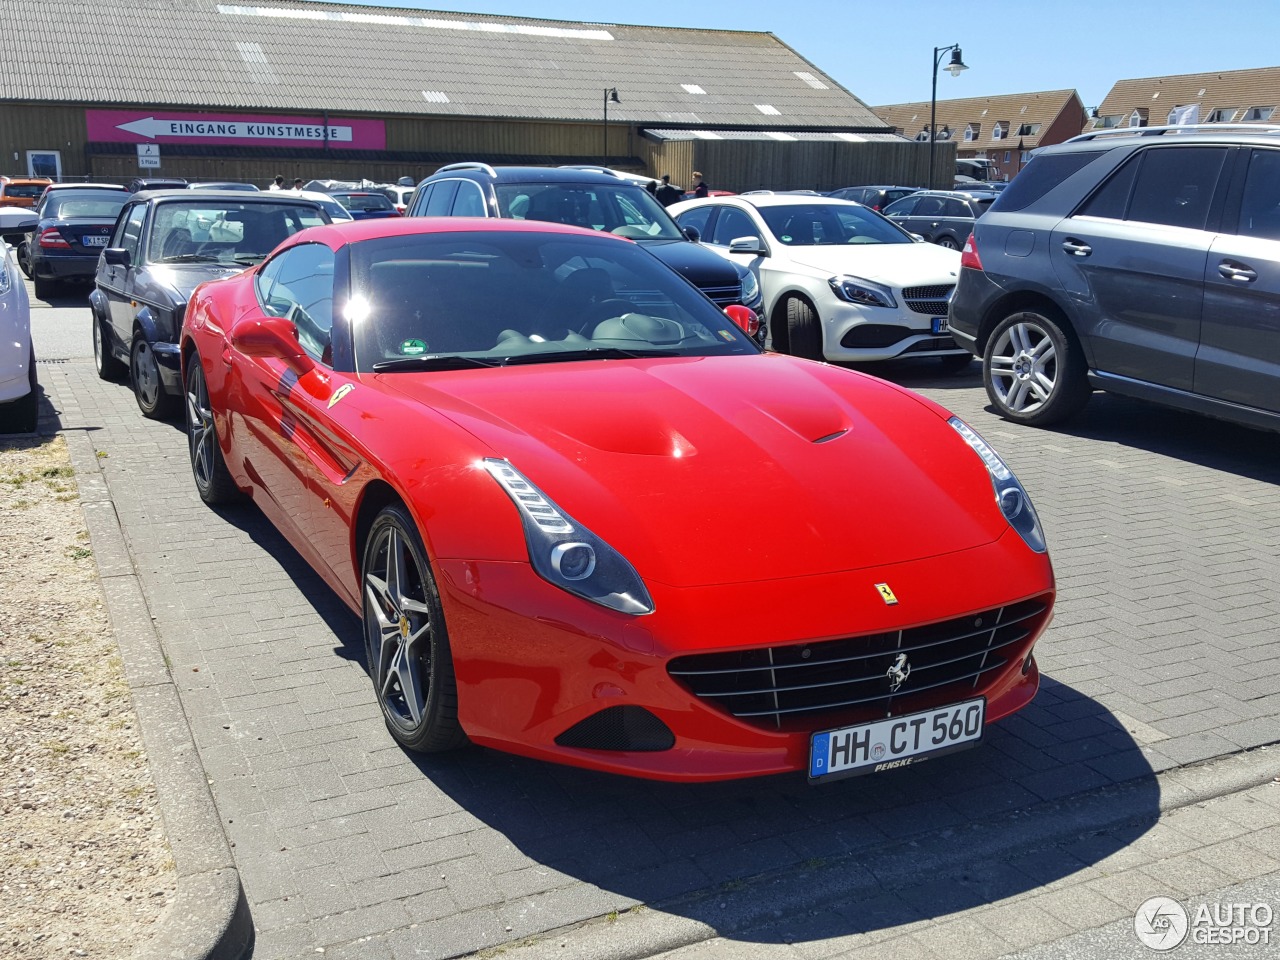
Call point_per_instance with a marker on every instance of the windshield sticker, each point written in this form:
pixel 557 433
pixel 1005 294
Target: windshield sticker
pixel 413 348
pixel 341 392
pixel 725 335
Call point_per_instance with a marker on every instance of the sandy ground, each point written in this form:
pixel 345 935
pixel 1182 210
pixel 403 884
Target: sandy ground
pixel 84 866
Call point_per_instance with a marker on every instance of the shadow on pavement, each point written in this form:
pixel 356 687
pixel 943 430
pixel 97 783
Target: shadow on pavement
pixel 729 854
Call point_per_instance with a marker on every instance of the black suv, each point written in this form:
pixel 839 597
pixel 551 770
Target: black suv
pixel 1145 263
pixel 596 198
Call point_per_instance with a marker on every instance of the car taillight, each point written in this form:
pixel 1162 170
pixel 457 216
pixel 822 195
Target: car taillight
pixel 50 237
pixel 969 257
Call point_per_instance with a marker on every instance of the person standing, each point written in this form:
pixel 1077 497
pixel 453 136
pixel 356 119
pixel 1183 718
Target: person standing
pixel 278 186
pixel 667 194
pixel 699 188
pixel 297 184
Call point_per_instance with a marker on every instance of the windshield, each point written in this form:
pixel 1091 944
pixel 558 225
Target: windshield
pixel 449 300
pixel 624 208
pixel 233 233
pixel 828 224
pixel 95 204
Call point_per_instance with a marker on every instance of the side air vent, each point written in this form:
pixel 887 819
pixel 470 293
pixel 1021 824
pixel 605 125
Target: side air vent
pixel 619 728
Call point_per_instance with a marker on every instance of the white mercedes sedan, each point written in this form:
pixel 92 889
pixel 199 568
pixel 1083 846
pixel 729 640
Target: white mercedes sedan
pixel 840 282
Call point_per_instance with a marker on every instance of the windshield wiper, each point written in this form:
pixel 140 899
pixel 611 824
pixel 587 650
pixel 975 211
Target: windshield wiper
pixel 588 353
pixel 447 361
pixel 249 259
pixel 189 258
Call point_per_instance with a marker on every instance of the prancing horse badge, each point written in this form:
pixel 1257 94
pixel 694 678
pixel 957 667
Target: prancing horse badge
pixel 886 594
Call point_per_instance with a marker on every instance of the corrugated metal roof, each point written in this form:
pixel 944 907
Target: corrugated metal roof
pixel 1013 112
pixel 296 55
pixel 1221 96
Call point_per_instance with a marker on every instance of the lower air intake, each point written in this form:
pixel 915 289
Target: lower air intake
pixel 619 728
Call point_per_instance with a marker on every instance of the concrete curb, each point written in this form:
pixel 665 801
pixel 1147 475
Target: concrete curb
pixel 643 933
pixel 209 917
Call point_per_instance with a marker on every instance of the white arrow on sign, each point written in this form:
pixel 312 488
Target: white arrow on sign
pixel 155 127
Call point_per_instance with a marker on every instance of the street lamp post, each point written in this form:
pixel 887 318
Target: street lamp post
pixel 954 68
pixel 610 93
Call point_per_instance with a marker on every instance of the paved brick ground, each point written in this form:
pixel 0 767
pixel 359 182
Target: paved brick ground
pixel 1164 531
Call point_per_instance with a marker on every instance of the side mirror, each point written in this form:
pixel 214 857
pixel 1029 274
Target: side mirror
pixel 693 233
pixel 743 317
pixel 271 337
pixel 116 256
pixel 752 245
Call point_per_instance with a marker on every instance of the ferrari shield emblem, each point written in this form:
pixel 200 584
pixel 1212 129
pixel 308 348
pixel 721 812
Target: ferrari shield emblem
pixel 886 594
pixel 341 392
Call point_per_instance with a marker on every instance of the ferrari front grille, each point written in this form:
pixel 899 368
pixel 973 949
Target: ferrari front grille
pixel 875 674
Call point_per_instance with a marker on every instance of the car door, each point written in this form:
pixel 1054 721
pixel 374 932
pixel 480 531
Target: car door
pixel 116 281
pixel 1133 260
pixel 1238 359
pixel 914 214
pixel 272 416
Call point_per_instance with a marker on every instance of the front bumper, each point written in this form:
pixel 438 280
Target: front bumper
pixel 533 662
pixel 858 334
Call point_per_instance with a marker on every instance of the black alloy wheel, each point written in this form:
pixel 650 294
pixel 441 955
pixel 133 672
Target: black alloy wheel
pixel 144 373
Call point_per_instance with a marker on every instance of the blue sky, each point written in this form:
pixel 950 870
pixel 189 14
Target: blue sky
pixel 882 51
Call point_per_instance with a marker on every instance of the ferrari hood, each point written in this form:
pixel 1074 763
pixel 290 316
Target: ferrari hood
pixel 729 469
pixel 895 264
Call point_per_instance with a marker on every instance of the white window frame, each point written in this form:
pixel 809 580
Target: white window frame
pixel 57 163
pixel 998 131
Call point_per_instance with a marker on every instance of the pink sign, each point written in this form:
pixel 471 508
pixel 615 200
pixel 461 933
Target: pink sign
pixel 169 126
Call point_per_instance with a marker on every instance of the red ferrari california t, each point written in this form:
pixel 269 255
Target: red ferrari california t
pixel 585 519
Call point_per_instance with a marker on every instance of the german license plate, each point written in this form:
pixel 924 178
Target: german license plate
pixel 896 742
pixel 94 241
pixel 940 325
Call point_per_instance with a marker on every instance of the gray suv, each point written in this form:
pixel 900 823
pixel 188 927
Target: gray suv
pixel 1146 263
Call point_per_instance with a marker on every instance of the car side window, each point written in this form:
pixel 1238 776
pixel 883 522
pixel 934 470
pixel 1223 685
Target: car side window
pixel 129 229
pixel 698 218
pixel 420 201
pixel 953 207
pixel 469 201
pixel 1172 186
pixel 298 285
pixel 1260 205
pixel 930 207
pixel 903 208
pixel 731 224
pixel 441 199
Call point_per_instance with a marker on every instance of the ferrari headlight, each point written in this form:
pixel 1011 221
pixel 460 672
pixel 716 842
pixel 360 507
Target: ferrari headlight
pixel 750 288
pixel 862 292
pixel 1010 496
pixel 567 554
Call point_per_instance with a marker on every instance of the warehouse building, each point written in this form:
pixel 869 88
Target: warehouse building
pixel 207 90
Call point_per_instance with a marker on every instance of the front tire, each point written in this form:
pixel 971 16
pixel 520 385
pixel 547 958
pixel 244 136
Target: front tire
pixel 108 367
pixel 1034 370
pixel 213 479
pixel 407 644
pixel 148 388
pixel 804 333
pixel 24 259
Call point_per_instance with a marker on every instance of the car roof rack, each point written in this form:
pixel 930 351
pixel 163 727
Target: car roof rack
pixel 1174 128
pixel 591 168
pixel 468 165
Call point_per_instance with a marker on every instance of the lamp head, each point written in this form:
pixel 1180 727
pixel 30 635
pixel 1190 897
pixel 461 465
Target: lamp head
pixel 613 94
pixel 957 64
